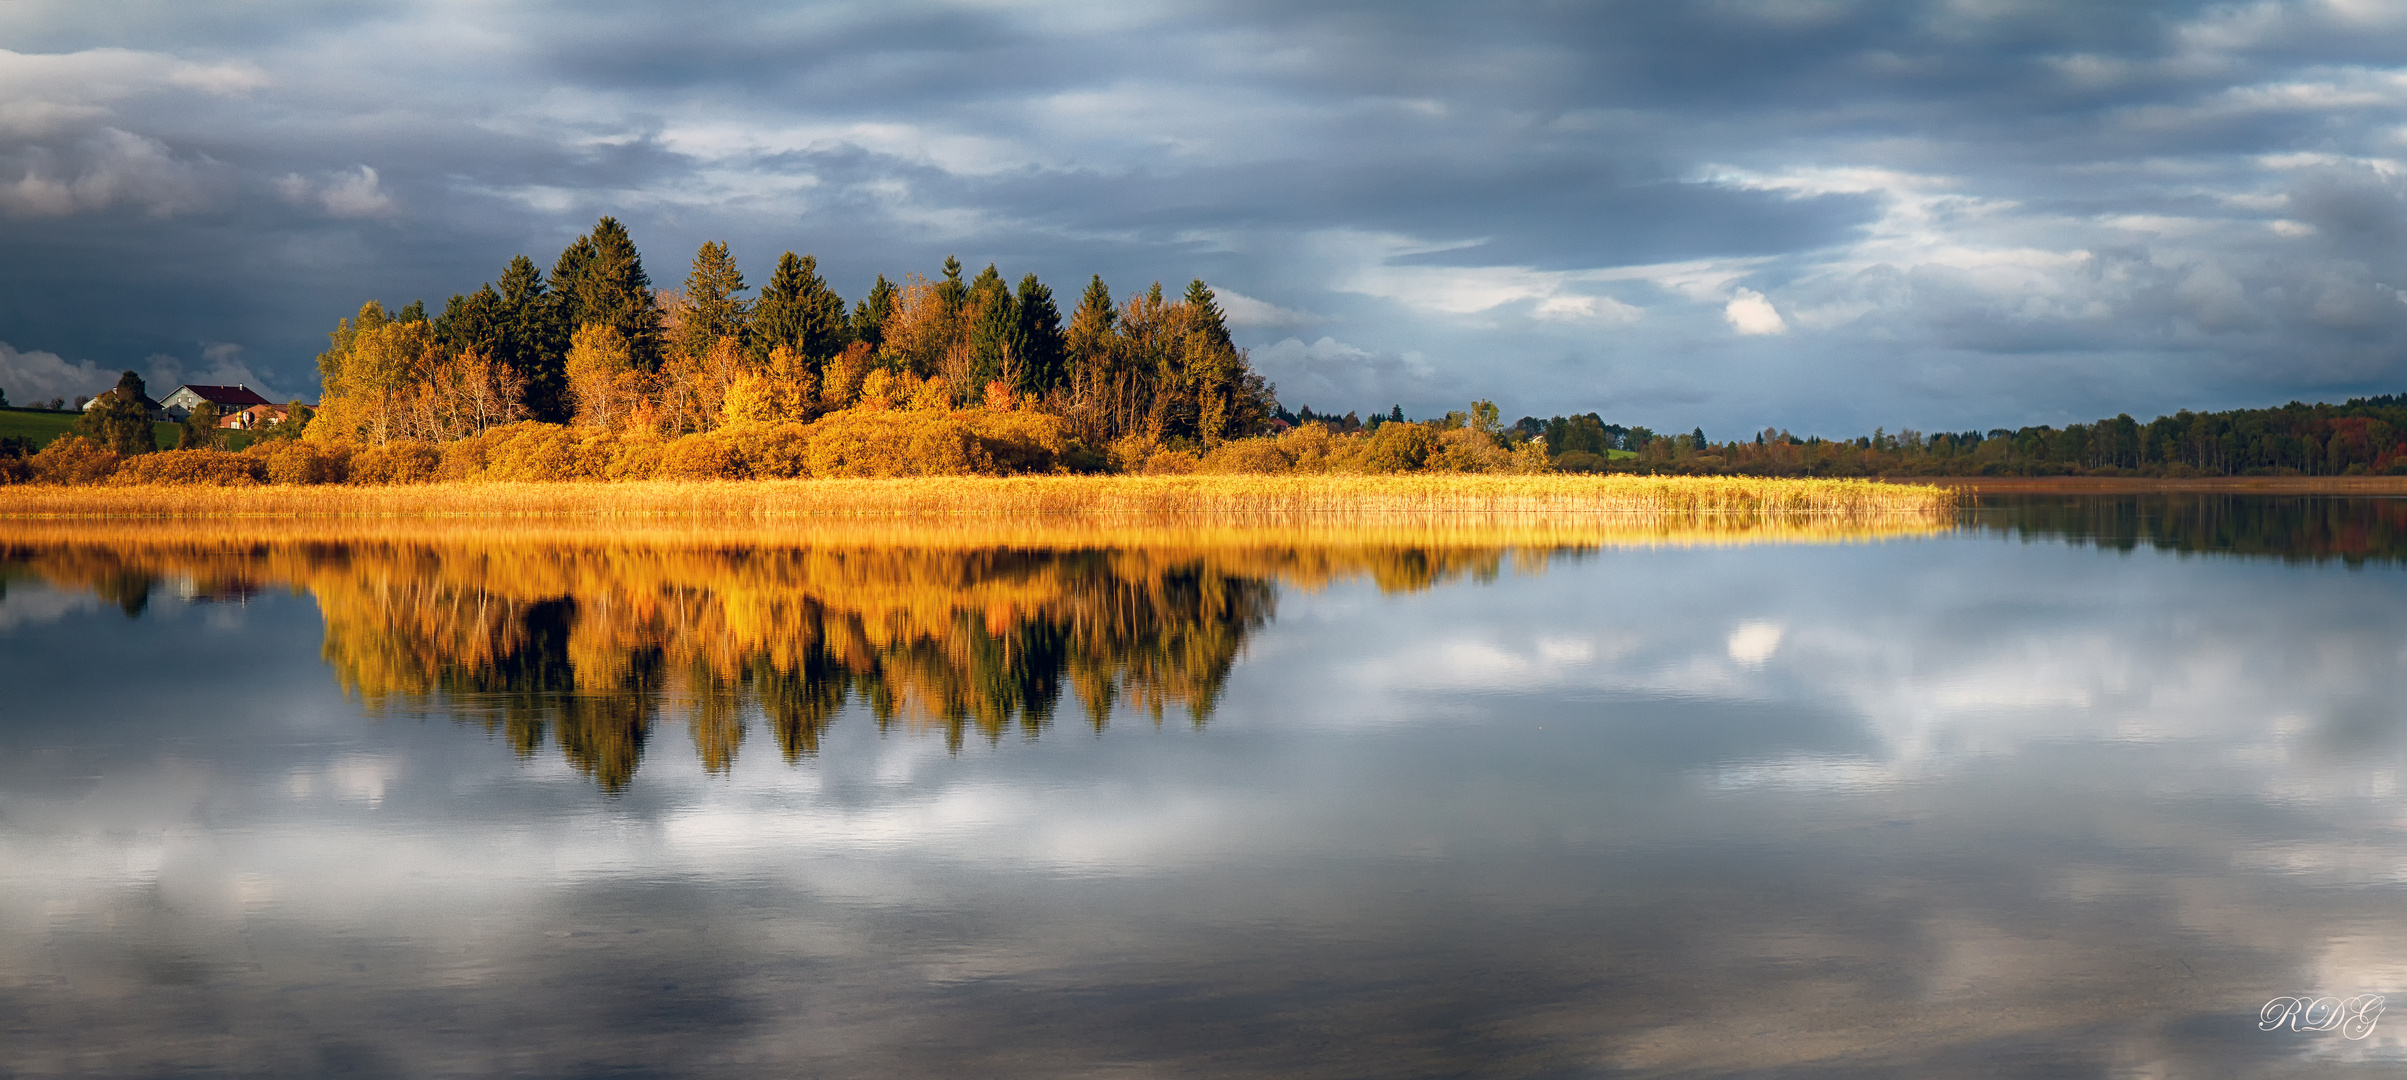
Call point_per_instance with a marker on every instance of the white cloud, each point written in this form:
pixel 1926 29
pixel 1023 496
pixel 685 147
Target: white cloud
pixel 1753 643
pixel 105 169
pixel 1248 313
pixel 1602 309
pixel 221 364
pixel 343 195
pixel 1750 313
pixel 40 376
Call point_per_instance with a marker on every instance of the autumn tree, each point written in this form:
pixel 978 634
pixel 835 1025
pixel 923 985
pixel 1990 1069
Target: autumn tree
pixel 199 429
pixel 119 419
pixel 603 381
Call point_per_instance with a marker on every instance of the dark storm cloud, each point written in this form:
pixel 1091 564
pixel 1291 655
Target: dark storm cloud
pixel 1811 213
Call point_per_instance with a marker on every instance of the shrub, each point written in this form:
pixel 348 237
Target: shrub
pixel 1311 448
pixel 1028 442
pixel 700 457
pixel 402 461
pixel 72 459
pixel 1171 463
pixel 1396 448
pixel 770 451
pixel 537 451
pixel 210 468
pixel 1581 461
pixel 1464 450
pixel 884 442
pixel 1265 457
pixel 291 461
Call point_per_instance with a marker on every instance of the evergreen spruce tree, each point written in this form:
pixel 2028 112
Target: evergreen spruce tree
pixel 869 317
pixel 714 304
pixel 1040 335
pixel 798 310
pixel 1203 314
pixel 950 293
pixel 471 322
pixel 534 339
pixel 995 347
pixel 601 279
pixel 415 312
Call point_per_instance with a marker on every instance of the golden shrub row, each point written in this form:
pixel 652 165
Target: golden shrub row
pixel 863 442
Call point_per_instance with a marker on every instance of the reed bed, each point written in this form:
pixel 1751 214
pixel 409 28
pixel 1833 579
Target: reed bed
pixel 1194 500
pixel 1057 532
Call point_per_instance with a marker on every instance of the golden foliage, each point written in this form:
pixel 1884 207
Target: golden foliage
pixel 602 380
pixel 400 461
pixel 72 459
pixel 211 468
pixel 292 461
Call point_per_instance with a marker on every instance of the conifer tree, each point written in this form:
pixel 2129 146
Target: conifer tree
pixel 869 317
pixel 798 310
pixel 996 348
pixel 714 304
pixel 534 340
pixel 600 280
pixel 1040 335
pixel 950 294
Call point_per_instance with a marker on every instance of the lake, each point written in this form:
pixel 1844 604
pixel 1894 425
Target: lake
pixel 2074 787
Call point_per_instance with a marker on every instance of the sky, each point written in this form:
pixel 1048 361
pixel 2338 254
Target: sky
pixel 1817 215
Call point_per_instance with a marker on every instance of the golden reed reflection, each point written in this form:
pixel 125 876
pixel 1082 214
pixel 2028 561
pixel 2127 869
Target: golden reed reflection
pixel 588 639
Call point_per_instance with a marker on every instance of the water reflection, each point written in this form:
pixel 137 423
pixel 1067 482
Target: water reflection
pixel 589 647
pixel 1963 806
pixel 2293 528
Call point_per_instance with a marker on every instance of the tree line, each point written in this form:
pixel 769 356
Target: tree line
pixel 596 345
pixel 2359 437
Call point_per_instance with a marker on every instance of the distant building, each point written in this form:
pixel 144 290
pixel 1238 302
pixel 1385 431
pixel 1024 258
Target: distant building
pixel 255 417
pixel 156 410
pixel 228 399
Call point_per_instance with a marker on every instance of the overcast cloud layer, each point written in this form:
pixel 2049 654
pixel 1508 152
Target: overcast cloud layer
pixel 1815 214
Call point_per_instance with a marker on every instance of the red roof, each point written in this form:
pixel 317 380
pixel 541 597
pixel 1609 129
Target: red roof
pixel 221 396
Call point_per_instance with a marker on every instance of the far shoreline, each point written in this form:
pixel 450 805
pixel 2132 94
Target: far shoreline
pixel 2150 485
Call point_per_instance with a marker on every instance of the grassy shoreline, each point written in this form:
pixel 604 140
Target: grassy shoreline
pixel 1190 497
pixel 2142 485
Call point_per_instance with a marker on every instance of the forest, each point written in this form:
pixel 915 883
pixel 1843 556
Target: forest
pixel 593 373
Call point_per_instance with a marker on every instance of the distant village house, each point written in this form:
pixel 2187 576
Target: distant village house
pixel 231 401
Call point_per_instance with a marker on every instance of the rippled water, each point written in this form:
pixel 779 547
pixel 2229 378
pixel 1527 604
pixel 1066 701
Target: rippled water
pixel 2075 789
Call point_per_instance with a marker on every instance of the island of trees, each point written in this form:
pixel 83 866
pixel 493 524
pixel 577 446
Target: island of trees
pixel 592 373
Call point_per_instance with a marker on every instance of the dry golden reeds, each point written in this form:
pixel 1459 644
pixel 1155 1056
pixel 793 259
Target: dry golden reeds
pixel 1719 502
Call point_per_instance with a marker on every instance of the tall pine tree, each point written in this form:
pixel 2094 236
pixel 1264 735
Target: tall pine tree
pixel 996 349
pixel 1040 335
pixel 534 339
pixel 870 315
pixel 714 302
pixel 798 310
pixel 600 280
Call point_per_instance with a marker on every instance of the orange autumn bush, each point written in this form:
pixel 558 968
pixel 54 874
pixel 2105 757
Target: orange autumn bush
pixel 72 459
pixel 211 468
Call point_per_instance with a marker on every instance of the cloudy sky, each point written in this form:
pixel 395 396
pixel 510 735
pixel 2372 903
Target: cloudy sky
pixel 1816 214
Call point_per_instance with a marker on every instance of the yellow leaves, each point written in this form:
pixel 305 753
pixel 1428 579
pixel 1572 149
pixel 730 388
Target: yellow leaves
pixel 210 468
pixel 602 380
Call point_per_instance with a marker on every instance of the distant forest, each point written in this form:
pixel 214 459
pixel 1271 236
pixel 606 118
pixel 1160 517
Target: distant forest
pixel 593 373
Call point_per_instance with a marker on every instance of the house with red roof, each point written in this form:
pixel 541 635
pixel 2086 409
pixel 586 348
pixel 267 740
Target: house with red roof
pixel 228 399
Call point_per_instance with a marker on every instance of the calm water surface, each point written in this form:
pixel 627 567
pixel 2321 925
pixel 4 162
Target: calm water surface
pixel 2073 790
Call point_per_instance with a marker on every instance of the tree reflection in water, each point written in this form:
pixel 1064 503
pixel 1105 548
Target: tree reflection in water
pixel 588 647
